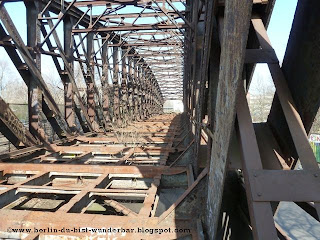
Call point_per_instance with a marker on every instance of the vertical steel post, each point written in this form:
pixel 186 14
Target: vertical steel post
pixel 130 88
pixel 136 90
pixel 105 81
pixel 124 90
pixel 34 92
pixel 68 91
pixel 116 103
pixel 90 84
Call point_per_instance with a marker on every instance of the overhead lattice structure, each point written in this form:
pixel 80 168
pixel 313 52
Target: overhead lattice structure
pixel 130 54
pixel 112 159
pixel 149 33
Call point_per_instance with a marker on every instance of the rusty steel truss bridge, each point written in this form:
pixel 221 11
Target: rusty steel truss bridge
pixel 116 161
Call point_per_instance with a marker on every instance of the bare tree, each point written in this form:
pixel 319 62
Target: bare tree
pixel 261 97
pixel 3 72
pixel 316 124
pixel 56 87
pixel 79 79
pixel 12 87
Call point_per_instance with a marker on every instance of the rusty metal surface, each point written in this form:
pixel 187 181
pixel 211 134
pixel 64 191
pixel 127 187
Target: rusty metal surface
pixel 14 130
pixel 116 163
pixel 280 185
pixel 265 186
pixel 300 64
pixel 260 212
pixel 125 190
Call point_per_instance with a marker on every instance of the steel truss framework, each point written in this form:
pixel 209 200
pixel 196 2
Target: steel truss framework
pixel 132 62
pixel 119 157
pixel 217 79
pixel 122 171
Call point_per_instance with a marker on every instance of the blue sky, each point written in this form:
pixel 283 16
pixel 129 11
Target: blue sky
pixel 278 32
pixel 280 25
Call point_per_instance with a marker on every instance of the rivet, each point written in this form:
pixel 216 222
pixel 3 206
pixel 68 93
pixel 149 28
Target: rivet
pixel 259 194
pixel 255 175
pixel 316 174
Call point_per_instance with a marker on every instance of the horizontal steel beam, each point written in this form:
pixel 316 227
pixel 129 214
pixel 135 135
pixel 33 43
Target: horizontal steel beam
pixel 142 15
pixel 131 28
pixel 112 2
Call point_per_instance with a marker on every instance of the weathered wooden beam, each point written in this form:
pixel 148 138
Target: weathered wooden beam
pixel 142 171
pixel 234 39
pixel 213 79
pixel 38 220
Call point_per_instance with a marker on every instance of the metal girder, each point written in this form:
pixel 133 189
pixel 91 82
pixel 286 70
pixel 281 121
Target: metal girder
pixel 109 184
pixel 68 69
pixel 51 109
pixel 134 15
pixel 129 28
pixel 124 2
pixel 129 69
pixel 39 173
pixel 13 129
pixel 260 212
pixel 130 40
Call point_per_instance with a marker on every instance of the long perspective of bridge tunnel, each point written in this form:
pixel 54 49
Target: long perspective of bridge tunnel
pixel 137 121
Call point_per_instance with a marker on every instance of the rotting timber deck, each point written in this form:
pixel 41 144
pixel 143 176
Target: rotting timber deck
pixel 121 179
pixel 101 175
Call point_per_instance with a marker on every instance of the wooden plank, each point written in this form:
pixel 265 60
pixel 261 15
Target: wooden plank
pixel 146 171
pixel 149 200
pixel 39 220
pixel 81 199
pixel 184 151
pixel 184 195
